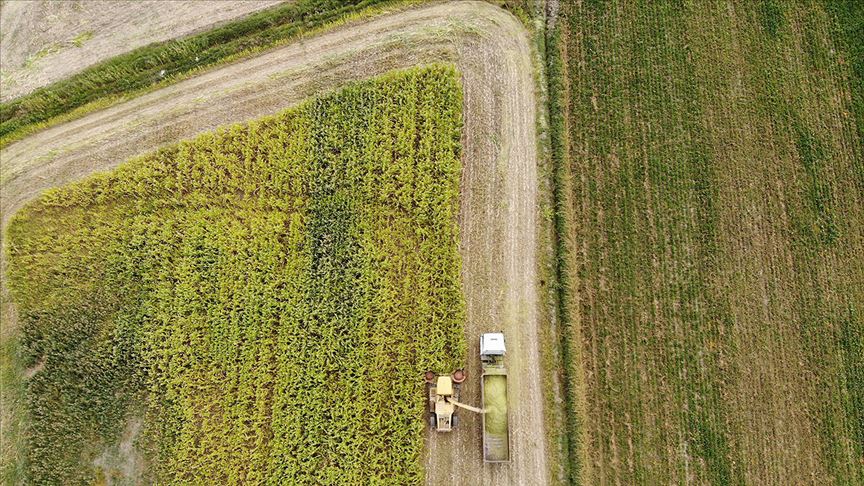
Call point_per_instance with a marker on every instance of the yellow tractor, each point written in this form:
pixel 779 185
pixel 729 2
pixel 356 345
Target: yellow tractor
pixel 444 393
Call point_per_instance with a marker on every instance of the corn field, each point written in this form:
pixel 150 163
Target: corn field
pixel 264 297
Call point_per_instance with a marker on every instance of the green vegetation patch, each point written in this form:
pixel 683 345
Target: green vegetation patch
pixel 712 161
pixel 81 38
pixel 260 300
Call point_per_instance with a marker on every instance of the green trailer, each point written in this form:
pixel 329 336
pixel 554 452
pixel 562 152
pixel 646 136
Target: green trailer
pixel 493 393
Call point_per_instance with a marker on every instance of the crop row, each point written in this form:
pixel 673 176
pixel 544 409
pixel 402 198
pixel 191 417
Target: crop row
pixel 265 296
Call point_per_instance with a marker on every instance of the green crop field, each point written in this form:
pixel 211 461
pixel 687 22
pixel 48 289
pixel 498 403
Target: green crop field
pixel 255 305
pixel 712 193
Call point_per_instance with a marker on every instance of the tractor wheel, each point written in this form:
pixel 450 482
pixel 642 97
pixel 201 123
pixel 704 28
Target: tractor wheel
pixel 454 421
pixel 433 420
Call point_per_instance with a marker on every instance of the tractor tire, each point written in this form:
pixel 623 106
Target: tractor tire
pixel 454 421
pixel 433 420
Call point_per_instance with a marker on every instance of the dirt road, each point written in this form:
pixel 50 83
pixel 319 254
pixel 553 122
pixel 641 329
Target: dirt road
pixel 47 40
pixel 499 186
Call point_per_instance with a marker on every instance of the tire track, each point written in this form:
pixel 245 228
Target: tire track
pixel 498 212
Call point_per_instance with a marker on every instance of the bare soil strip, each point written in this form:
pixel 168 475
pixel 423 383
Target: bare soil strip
pixel 45 41
pixel 499 187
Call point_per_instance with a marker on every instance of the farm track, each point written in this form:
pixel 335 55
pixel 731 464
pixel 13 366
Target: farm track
pixel 499 181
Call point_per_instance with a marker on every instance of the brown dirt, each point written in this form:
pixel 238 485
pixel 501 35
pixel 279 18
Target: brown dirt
pixel 37 38
pixel 499 186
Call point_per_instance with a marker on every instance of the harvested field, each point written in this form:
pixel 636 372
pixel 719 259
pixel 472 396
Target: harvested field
pixel 498 200
pixel 44 41
pixel 714 210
